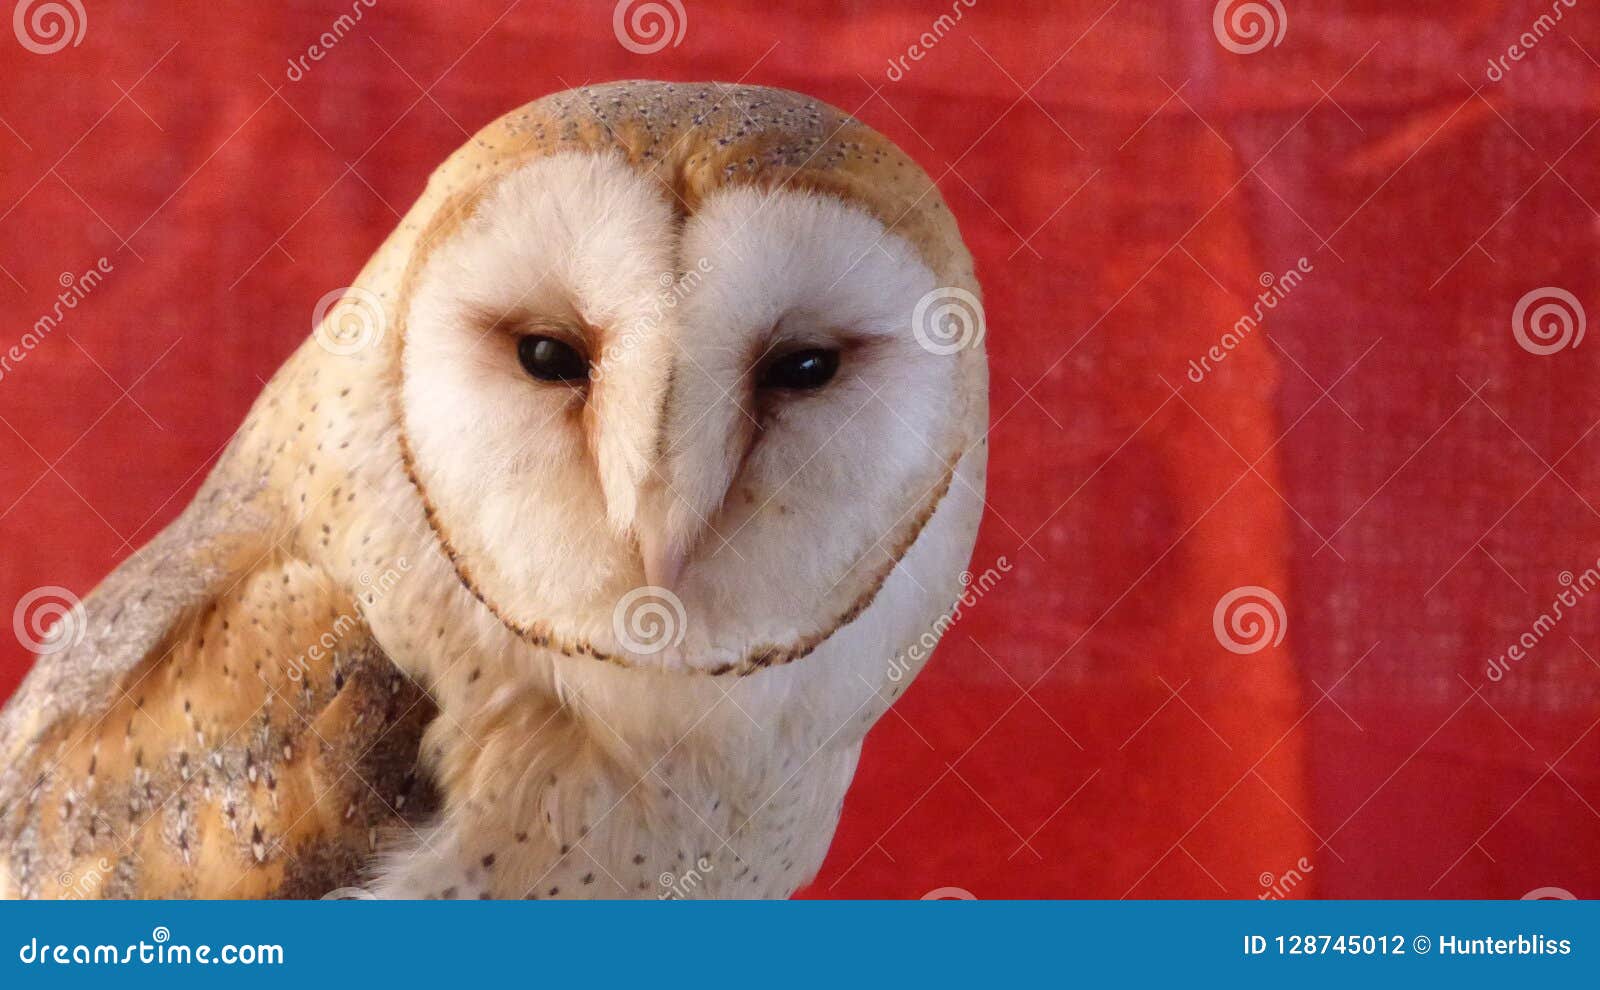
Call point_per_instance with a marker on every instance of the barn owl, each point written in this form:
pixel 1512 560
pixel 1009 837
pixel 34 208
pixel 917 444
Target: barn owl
pixel 572 555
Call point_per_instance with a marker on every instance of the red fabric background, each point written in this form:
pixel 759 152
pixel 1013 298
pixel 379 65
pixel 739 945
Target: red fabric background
pixel 1383 456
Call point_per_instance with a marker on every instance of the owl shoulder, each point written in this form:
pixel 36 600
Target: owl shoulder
pixel 220 722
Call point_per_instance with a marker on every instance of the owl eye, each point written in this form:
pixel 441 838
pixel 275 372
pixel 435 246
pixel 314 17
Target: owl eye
pixel 551 360
pixel 808 369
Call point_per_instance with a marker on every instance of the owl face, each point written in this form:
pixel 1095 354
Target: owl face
pixel 604 391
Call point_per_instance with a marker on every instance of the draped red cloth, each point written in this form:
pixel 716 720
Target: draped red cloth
pixel 1385 454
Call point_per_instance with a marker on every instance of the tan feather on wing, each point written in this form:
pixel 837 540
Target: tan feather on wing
pixel 254 745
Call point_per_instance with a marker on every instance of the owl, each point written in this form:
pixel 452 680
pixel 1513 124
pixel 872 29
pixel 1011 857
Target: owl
pixel 572 555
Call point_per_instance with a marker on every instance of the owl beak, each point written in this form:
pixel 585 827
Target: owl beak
pixel 663 564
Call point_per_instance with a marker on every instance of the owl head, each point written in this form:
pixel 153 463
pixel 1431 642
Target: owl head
pixel 688 372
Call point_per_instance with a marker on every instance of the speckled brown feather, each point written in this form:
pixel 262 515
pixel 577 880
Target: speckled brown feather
pixel 195 743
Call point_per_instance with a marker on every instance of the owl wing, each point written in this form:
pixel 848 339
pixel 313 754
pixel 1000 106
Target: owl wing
pixel 226 726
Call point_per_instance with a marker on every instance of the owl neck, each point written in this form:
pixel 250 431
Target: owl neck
pixel 544 799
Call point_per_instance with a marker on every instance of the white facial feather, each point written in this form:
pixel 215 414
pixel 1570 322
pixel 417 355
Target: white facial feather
pixel 774 526
pixel 577 240
pixel 785 507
